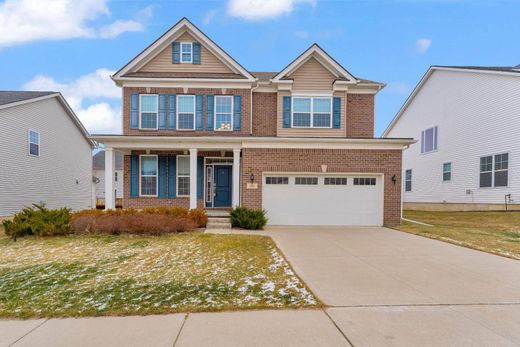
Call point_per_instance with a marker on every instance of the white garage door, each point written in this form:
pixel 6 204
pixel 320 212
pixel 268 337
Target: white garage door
pixel 323 199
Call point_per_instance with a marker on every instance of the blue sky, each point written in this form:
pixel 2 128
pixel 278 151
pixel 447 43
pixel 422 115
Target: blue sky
pixel 73 45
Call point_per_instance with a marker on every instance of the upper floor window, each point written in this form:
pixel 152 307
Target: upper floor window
pixel 429 140
pixel 186 52
pixel 408 180
pixel 494 170
pixel 148 111
pixel 223 113
pixel 34 143
pixel 312 112
pixel 148 175
pixel 186 112
pixel 446 172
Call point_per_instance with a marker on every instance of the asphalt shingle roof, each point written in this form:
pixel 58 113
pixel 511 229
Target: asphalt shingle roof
pixel 9 97
pixel 485 68
pixel 98 161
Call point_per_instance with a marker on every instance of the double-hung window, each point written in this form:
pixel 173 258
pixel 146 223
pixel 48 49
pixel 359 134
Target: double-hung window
pixel 494 170
pixel 223 113
pixel 408 180
pixel 186 112
pixel 446 172
pixel 148 175
pixel 312 112
pixel 429 140
pixel 148 110
pixel 34 143
pixel 186 52
pixel 183 175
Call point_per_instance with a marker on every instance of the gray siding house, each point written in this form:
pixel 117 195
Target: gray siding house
pixel 46 154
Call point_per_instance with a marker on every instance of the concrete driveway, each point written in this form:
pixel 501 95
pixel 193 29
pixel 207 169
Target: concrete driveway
pixel 387 287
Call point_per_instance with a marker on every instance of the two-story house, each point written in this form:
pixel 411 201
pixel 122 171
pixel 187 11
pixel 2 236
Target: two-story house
pixel 200 130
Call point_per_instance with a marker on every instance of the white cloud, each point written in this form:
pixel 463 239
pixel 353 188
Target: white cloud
pixel 32 20
pixel 99 116
pixel 263 9
pixel 209 16
pixel 422 45
pixel 302 34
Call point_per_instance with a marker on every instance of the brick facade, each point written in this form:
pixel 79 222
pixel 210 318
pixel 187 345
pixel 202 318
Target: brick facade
pixel 244 129
pixel 264 114
pixel 360 115
pixel 256 161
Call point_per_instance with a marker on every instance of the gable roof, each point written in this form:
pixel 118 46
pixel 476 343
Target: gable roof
pixel 16 98
pixel 168 37
pixel 512 71
pixel 9 97
pixel 98 160
pixel 318 53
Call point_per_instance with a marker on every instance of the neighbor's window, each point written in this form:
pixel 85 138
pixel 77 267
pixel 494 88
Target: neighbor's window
pixel 306 180
pixel 277 180
pixel 494 170
pixel 148 175
pixel 186 52
pixel 34 143
pixel 335 181
pixel 186 112
pixel 183 175
pixel 312 112
pixel 408 180
pixel 223 113
pixel 446 172
pixel 148 110
pixel 429 140
pixel 364 181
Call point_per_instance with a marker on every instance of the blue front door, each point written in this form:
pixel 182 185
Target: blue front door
pixel 222 186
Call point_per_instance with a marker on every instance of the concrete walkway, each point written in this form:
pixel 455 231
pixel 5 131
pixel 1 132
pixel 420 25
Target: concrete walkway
pixel 383 288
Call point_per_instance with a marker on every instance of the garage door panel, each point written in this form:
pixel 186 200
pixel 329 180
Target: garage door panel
pixel 292 204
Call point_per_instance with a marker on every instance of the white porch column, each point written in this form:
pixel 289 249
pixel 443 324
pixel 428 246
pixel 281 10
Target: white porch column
pixel 193 178
pixel 236 178
pixel 110 164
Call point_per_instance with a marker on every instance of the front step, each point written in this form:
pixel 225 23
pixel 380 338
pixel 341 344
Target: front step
pixel 218 219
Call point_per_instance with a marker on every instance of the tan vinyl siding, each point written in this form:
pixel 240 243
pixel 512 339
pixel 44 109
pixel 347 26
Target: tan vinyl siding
pixel 312 76
pixel 311 132
pixel 163 61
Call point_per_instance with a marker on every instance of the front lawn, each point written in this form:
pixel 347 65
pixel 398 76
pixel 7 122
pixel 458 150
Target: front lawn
pixel 124 275
pixel 492 232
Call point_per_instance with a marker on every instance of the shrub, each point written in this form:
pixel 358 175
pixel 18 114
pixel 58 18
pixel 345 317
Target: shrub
pixel 248 219
pixel 150 221
pixel 39 221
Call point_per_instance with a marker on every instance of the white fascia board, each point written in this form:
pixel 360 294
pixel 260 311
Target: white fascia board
pixel 124 142
pixel 27 101
pixel 322 57
pixel 184 83
pixel 490 72
pixel 161 43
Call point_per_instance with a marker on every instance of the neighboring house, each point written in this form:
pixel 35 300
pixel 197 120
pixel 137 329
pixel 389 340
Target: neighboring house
pixel 199 130
pixel 46 153
pixel 98 171
pixel 467 123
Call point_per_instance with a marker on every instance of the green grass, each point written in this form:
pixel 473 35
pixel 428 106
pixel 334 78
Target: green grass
pixel 492 232
pixel 124 275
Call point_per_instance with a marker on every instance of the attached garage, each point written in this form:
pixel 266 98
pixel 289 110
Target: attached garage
pixel 323 199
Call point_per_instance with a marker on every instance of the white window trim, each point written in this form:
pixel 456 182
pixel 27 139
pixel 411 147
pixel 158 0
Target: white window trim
pixel 406 180
pixel 29 143
pixel 156 112
pixel 156 175
pixel 177 175
pixel 451 170
pixel 215 113
pixel 191 52
pixel 493 170
pixel 435 138
pixel 177 111
pixel 312 111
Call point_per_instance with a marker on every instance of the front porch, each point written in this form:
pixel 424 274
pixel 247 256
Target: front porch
pixel 168 176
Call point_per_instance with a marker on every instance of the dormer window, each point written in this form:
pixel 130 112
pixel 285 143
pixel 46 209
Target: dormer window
pixel 186 52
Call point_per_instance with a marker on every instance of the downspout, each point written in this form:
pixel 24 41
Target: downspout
pixel 251 109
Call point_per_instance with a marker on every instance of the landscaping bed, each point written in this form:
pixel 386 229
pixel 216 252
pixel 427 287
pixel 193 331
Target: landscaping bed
pixel 80 275
pixel 492 232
